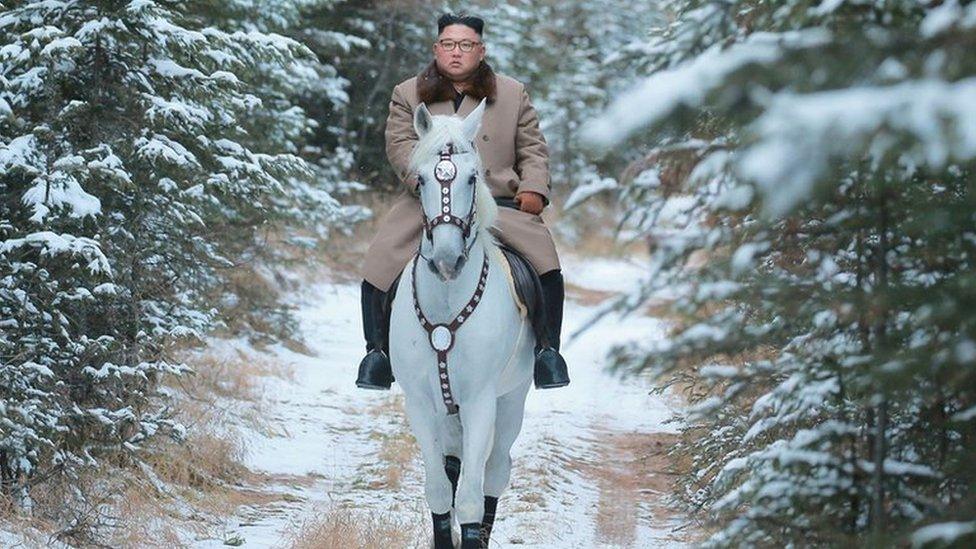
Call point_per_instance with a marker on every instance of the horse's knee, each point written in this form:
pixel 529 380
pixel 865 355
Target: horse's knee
pixel 498 472
pixel 470 503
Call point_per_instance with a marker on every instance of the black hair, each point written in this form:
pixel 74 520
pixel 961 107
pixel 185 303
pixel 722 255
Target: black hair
pixel 476 23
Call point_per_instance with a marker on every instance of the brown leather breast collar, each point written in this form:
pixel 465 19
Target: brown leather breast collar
pixel 442 336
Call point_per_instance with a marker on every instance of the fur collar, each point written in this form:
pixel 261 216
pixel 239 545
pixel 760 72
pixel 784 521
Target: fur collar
pixel 432 87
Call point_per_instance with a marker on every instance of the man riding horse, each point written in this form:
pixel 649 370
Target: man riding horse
pixel 516 161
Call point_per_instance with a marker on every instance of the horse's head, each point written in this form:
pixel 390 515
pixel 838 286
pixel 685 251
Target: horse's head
pixel 457 205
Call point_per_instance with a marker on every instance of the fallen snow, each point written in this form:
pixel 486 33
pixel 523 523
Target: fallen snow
pixel 329 433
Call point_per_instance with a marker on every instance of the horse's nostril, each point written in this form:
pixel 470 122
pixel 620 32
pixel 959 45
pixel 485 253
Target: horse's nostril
pixel 459 263
pixel 432 266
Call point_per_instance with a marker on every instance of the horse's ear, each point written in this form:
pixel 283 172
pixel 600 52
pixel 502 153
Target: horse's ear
pixel 421 120
pixel 472 122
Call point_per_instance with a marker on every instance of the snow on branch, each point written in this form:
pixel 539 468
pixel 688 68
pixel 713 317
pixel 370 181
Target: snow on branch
pixel 800 136
pixel 689 84
pixel 50 243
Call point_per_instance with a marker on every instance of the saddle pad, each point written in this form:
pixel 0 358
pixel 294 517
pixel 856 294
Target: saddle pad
pixel 504 261
pixel 528 291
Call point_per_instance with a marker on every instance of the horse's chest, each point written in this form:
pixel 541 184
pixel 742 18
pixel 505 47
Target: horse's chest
pixel 489 326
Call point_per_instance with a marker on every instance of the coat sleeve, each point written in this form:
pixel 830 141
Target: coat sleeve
pixel 400 137
pixel 531 151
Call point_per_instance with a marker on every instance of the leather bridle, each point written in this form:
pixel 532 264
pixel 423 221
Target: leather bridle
pixel 442 336
pixel 445 172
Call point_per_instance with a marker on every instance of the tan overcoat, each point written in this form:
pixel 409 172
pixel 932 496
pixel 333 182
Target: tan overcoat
pixel 514 154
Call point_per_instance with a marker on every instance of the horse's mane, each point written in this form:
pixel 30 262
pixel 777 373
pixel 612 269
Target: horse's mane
pixel 448 129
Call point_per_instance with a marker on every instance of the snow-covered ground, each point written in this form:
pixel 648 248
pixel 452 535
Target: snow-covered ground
pixel 330 449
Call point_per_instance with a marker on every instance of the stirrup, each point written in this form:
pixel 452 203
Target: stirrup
pixel 375 372
pixel 550 369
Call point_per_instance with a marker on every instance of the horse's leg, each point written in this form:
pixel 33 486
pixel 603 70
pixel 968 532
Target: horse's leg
pixel 508 422
pixel 478 426
pixel 452 467
pixel 437 486
pixel 452 450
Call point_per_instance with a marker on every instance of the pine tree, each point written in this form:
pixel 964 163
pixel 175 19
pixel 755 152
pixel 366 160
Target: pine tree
pixel 142 146
pixel 819 156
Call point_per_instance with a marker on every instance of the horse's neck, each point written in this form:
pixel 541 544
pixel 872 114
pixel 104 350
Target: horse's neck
pixel 441 300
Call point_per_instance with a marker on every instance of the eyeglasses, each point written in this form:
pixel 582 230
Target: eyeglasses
pixel 465 45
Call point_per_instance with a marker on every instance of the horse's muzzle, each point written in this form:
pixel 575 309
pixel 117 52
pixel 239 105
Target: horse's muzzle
pixel 445 270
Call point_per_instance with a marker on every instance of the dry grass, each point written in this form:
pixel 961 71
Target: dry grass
pixel 125 507
pixel 228 390
pixel 336 527
pixel 146 517
pixel 398 448
pixel 587 296
pixel 33 530
pixel 594 229
pixel 235 378
pixel 341 526
pixel 159 496
pixel 190 486
pixel 634 475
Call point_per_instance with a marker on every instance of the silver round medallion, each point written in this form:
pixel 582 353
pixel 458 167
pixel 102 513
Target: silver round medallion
pixel 441 338
pixel 445 170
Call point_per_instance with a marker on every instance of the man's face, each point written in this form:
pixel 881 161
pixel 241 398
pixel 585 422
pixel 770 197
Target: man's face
pixel 457 64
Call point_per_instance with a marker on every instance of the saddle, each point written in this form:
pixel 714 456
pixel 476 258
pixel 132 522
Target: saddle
pixel 528 288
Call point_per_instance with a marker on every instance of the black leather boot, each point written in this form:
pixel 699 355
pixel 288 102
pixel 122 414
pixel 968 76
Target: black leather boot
pixel 374 370
pixel 550 367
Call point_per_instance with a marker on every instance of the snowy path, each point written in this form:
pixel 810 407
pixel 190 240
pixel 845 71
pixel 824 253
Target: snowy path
pixel 345 450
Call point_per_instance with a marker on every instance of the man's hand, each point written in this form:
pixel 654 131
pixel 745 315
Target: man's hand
pixel 530 202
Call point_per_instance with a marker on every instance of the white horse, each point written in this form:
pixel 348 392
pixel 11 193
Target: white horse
pixel 459 346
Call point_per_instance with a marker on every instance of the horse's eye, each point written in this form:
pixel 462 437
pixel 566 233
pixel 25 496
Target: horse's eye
pixel 472 180
pixel 420 180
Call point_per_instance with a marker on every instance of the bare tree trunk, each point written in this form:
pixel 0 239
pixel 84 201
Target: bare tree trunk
pixel 878 518
pixel 880 451
pixel 14 483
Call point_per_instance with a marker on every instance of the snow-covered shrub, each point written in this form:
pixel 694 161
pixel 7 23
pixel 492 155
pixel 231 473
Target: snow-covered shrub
pixel 821 156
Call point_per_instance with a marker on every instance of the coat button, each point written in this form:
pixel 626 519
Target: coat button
pixel 487 173
pixel 484 138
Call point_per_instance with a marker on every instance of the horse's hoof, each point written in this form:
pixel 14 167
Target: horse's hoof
pixel 442 531
pixel 471 536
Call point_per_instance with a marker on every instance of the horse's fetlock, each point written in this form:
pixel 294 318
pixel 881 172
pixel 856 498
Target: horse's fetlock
pixel 470 506
pixel 439 493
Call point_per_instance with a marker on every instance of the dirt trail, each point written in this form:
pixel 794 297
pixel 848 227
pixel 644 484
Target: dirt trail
pixel 589 466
